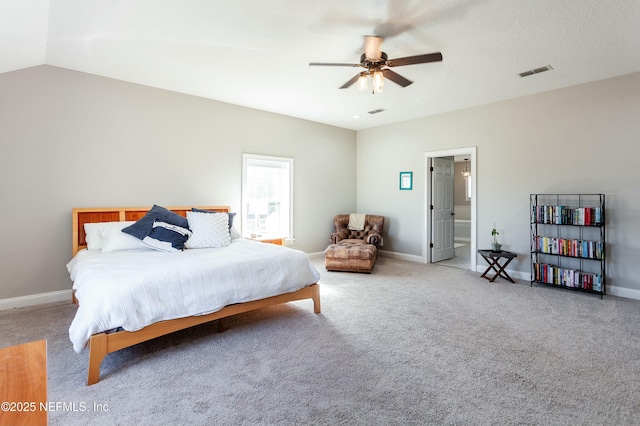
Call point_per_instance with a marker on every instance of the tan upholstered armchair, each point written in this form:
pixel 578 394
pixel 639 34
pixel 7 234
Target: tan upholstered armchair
pixel 354 249
pixel 370 234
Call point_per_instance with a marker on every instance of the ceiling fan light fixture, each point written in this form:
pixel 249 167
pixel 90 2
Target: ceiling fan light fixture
pixel 378 66
pixel 378 81
pixel 362 81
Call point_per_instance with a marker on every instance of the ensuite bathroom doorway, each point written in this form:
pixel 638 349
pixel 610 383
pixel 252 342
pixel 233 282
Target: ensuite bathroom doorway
pixel 450 208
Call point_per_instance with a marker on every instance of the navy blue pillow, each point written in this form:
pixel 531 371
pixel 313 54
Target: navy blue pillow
pixel 231 215
pixel 142 227
pixel 166 237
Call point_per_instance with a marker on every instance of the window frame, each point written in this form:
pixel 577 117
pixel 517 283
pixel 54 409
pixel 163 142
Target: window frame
pixel 288 162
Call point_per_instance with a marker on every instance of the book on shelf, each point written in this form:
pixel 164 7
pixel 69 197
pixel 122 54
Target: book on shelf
pixel 563 215
pixel 551 274
pixel 569 247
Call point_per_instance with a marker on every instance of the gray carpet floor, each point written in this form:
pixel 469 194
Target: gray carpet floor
pixel 461 258
pixel 408 344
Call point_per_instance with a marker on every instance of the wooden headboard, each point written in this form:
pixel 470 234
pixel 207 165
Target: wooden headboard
pixel 119 214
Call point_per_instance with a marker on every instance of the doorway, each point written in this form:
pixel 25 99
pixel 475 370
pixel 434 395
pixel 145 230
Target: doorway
pixel 431 185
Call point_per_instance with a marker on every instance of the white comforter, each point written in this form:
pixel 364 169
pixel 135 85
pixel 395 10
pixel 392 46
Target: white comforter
pixel 135 288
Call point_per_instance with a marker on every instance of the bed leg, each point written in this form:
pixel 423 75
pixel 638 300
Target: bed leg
pixel 97 352
pixel 316 298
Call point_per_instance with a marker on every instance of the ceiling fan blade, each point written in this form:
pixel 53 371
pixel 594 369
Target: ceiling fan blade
pixel 396 78
pixel 330 64
pixel 373 48
pixel 411 60
pixel 350 82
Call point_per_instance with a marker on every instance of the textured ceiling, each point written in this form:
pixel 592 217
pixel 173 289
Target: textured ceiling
pixel 256 54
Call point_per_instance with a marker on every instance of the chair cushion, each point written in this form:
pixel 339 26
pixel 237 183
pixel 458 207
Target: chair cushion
pixel 351 249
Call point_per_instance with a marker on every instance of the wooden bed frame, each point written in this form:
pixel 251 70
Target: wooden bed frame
pixel 102 344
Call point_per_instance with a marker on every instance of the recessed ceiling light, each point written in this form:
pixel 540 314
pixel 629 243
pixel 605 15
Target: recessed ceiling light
pixel 356 116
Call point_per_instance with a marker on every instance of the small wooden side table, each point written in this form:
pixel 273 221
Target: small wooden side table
pixel 23 384
pixel 270 240
pixel 493 259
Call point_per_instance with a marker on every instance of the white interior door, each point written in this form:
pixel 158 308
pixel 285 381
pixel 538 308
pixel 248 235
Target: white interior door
pixel 442 210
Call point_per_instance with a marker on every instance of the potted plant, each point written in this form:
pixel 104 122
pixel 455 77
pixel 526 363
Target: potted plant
pixel 495 245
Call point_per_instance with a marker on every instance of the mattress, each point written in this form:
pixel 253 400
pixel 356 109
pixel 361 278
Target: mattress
pixel 135 288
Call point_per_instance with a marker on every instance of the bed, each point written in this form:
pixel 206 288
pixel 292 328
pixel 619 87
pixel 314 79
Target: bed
pixel 120 293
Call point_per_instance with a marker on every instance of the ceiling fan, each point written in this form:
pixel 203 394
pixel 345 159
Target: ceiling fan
pixel 377 64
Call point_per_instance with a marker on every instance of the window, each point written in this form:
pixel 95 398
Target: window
pixel 468 188
pixel 267 196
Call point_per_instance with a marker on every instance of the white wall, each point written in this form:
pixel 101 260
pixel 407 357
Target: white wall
pixel 582 139
pixel 69 139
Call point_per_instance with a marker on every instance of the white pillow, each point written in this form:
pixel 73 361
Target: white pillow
pixel 95 232
pixel 209 230
pixel 116 240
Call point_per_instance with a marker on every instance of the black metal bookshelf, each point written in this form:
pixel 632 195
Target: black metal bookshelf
pixel 568 245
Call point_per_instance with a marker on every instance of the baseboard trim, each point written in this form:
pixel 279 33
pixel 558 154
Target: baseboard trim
pixel 628 293
pixel 65 295
pixel 391 254
pixel 401 256
pixel 35 299
pixel 316 254
pixel 512 273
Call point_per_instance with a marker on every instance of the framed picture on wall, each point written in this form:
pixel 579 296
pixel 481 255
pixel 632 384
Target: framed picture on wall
pixel 406 181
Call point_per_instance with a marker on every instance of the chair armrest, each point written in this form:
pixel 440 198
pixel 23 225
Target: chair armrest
pixel 374 237
pixel 341 234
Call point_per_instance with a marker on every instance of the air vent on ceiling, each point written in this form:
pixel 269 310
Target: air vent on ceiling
pixel 535 71
pixel 376 111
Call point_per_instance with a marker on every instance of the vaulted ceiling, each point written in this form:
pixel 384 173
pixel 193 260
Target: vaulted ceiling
pixel 257 53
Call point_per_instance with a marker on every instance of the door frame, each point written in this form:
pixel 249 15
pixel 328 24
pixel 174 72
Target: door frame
pixel 471 152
